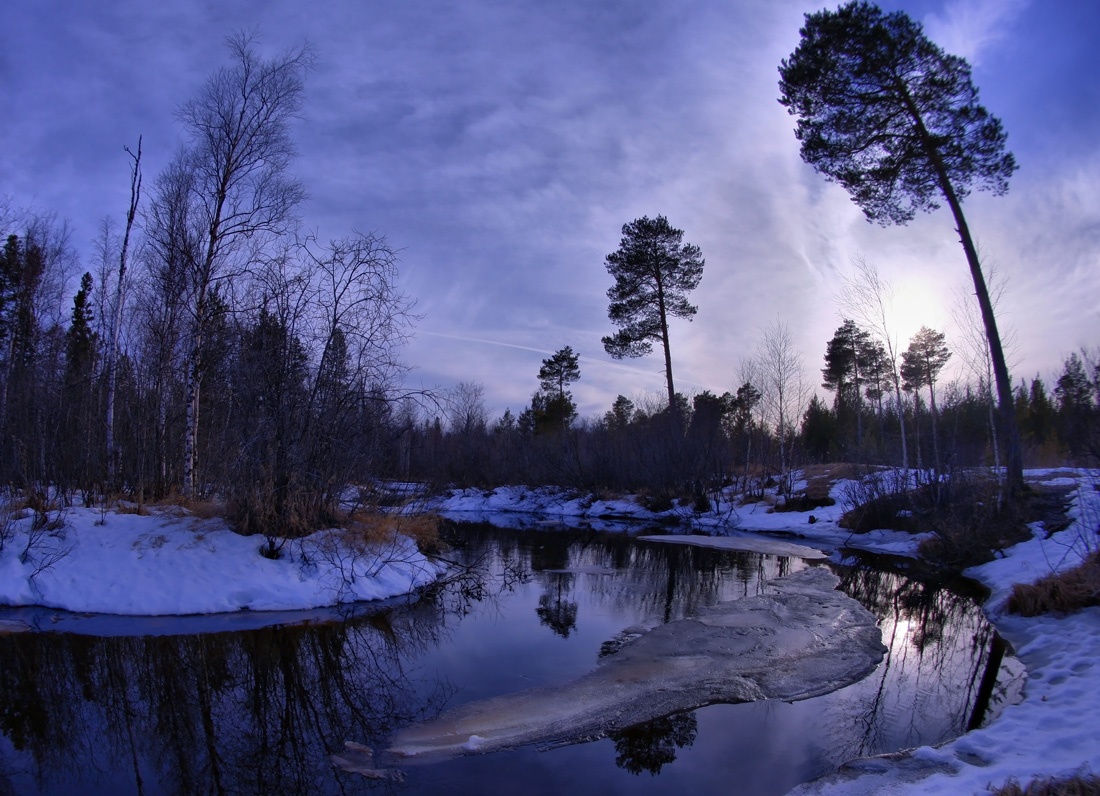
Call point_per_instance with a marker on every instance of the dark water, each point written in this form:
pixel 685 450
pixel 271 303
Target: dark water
pixel 258 711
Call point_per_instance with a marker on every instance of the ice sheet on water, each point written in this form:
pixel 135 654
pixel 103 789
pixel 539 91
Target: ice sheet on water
pixel 749 544
pixel 800 639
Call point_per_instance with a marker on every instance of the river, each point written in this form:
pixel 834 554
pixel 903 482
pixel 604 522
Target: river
pixel 103 705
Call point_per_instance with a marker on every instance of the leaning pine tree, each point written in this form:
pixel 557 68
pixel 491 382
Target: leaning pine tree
pixel 887 114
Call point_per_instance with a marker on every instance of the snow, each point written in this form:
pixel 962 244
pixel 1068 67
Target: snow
pixel 170 563
pixel 1052 732
pixel 526 507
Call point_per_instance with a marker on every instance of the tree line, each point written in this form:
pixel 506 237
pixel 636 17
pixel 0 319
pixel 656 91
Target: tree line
pixel 753 437
pixel 216 348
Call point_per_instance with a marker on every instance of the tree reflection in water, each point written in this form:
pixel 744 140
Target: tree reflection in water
pixel 652 746
pixel 260 711
pixel 244 712
pixel 556 610
pixel 939 648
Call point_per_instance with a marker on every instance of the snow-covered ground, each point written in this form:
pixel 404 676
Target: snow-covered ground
pixel 170 564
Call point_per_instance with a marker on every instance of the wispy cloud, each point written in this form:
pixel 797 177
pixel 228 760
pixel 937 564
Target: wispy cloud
pixel 970 27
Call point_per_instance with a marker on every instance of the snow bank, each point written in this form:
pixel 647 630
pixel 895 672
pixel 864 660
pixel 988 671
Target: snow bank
pixel 175 565
pixel 526 507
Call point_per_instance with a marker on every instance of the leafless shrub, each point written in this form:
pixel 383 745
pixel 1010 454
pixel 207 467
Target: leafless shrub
pixel 876 499
pixel 367 543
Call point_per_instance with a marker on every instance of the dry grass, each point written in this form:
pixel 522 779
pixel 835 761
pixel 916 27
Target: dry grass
pixel 1064 592
pixel 373 528
pixel 126 507
pixel 367 528
pixel 1081 785
pixel 831 473
pixel 203 509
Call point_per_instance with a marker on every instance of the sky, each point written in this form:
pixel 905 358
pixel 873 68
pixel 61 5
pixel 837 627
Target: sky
pixel 501 146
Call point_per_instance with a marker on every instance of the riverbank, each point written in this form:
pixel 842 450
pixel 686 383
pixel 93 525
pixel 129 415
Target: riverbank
pixel 171 563
pixel 1052 732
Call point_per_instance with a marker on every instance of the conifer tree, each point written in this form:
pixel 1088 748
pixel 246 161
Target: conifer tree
pixel 654 270
pixel 895 120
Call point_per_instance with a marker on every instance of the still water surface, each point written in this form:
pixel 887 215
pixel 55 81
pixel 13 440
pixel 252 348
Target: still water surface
pixel 144 707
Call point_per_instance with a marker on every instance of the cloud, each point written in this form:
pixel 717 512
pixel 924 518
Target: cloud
pixel 500 147
pixel 969 28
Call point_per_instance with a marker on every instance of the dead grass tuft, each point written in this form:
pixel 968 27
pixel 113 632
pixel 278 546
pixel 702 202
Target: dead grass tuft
pixel 203 509
pixel 1080 785
pixel 1062 593
pixel 125 507
pixel 371 528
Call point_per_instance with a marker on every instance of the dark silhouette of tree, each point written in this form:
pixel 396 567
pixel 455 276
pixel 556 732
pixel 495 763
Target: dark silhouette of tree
pixel 819 431
pixel 742 408
pixel 269 384
pixel 116 321
pixel 1078 399
pixel 896 121
pixel 654 270
pixel 552 407
pixel 548 413
pixel 559 371
pixel 34 269
pixel 921 364
pixel 848 357
pixel 76 450
pixel 1038 415
pixel 868 298
pixel 621 413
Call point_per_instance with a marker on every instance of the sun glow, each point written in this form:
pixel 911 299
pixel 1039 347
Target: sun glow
pixel 918 301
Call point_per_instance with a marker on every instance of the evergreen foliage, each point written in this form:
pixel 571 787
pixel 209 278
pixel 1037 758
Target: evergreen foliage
pixel 654 270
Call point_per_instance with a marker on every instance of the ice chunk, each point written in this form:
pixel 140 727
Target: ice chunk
pixel 802 639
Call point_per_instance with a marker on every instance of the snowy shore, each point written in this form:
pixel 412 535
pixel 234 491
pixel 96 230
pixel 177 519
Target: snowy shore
pixel 170 563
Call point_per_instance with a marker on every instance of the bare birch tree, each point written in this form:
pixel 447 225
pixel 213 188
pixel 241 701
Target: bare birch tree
pixel 783 387
pixel 239 153
pixel 975 347
pixel 116 320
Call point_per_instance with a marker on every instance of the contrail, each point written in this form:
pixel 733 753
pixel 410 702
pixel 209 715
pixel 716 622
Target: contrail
pixel 591 360
pixel 486 342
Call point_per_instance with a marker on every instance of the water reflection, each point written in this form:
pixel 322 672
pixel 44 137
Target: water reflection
pixel 261 711
pixel 556 610
pixel 939 645
pixel 651 746
pixel 253 712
